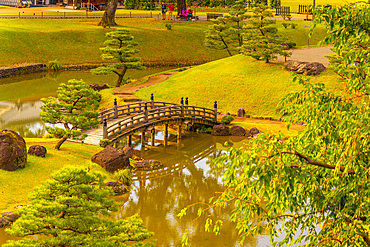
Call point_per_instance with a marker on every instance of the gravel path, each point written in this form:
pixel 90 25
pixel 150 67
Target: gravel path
pixel 314 54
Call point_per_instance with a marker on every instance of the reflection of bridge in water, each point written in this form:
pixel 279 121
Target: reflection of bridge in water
pixel 125 120
pixel 177 157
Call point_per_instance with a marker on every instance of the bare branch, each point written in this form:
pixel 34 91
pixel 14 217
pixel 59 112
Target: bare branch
pixel 318 163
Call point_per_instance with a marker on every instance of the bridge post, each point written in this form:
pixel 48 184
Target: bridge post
pixel 129 141
pixel 146 112
pixel 152 137
pixel 186 105
pixel 152 100
pixel 182 106
pixel 179 131
pixel 115 108
pixel 165 134
pixel 215 108
pixel 142 141
pixel 105 132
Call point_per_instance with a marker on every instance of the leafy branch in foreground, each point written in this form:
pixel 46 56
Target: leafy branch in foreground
pixel 313 188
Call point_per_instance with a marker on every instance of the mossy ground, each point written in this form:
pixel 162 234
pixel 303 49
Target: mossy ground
pixel 16 185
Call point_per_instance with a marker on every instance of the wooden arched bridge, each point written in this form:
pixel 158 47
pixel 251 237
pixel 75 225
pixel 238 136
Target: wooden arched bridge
pixel 125 120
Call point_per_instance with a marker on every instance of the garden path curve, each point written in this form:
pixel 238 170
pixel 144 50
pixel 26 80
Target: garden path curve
pixel 310 54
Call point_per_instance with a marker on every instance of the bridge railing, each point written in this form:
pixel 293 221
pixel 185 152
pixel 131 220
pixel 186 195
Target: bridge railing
pixel 141 118
pixel 157 114
pixel 129 109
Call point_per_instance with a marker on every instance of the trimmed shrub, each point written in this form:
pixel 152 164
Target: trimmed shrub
pixel 105 142
pixel 227 119
pixel 285 24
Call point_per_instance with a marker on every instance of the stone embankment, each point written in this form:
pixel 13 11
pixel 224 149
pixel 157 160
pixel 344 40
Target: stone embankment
pixel 21 69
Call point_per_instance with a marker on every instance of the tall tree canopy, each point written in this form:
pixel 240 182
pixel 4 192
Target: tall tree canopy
pixel 71 210
pixel 261 39
pixel 120 47
pixel 314 187
pixel 226 33
pixel 74 108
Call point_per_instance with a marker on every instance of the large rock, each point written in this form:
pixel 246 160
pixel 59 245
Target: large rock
pixel 4 222
pixel 305 68
pixel 112 159
pixel 13 152
pixel 98 87
pixel 37 150
pixel 147 164
pixel 128 151
pixel 10 216
pixel 241 112
pixel 220 130
pixel 237 131
pixel 117 187
pixel 254 131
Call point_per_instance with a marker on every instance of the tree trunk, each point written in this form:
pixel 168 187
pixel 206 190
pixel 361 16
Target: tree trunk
pixel 60 142
pixel 181 4
pixel 109 14
pixel 120 77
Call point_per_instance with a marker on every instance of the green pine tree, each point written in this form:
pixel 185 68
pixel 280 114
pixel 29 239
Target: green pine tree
pixel 72 210
pixel 226 33
pixel 261 40
pixel 74 108
pixel 120 47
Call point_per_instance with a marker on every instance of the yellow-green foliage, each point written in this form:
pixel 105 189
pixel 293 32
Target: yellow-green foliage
pixel 123 176
pixel 272 127
pixel 15 186
pixel 107 99
pixel 234 82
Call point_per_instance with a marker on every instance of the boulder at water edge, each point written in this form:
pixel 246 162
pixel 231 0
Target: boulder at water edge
pixel 4 222
pixel 117 187
pixel 237 131
pixel 112 159
pixel 37 150
pixel 220 130
pixel 128 151
pixel 13 152
pixel 10 216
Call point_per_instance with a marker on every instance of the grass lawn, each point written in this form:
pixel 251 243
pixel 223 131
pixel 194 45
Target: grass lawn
pixel 15 186
pixel 234 82
pixel 77 41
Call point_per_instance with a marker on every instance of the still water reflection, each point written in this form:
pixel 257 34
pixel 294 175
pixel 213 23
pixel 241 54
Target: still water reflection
pixel 188 176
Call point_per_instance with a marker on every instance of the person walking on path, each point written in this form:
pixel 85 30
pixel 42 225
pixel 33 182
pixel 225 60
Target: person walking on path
pixel 164 10
pixel 171 7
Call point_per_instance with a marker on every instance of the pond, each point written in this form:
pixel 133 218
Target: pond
pixel 20 96
pixel 188 174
